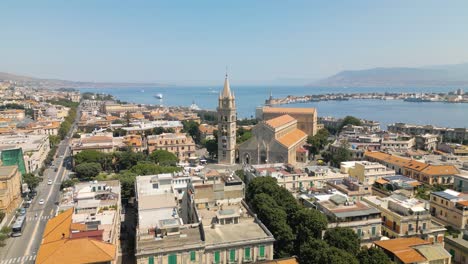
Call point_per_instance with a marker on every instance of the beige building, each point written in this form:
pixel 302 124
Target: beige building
pixel 406 217
pixel 10 188
pixel 13 114
pixel 457 246
pixel 358 215
pixel 398 144
pixel 450 208
pixel 35 148
pixel 102 143
pixel 306 117
pixel 210 224
pixel 114 108
pixel 427 142
pixel 277 140
pixel 180 144
pixel 368 172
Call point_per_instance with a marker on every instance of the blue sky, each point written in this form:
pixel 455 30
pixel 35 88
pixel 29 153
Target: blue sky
pixel 186 42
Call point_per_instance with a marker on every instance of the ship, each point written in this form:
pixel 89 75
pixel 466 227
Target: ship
pixel 158 96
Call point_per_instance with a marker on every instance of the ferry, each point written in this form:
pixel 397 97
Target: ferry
pixel 159 96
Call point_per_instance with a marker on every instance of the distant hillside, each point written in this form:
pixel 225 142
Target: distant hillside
pixel 55 83
pixel 440 75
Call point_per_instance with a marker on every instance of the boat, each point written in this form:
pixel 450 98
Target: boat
pixel 142 91
pixel 159 96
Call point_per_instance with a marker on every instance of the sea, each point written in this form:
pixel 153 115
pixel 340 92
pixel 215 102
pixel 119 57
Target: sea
pixel 248 98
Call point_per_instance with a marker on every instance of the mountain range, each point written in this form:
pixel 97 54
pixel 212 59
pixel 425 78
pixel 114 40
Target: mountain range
pixel 430 76
pixel 56 83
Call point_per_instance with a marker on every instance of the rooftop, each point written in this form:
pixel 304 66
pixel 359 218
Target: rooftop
pixel 292 138
pixel 280 121
pixel 287 110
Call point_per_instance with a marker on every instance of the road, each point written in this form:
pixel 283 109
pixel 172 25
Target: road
pixel 24 249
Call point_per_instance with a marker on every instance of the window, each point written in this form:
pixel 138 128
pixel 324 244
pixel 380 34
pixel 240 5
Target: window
pixel 151 260
pixel 373 230
pixel 424 226
pixel 155 185
pixel 247 253
pixel 262 251
pixel 359 232
pixel 232 255
pixel 172 259
pixel 216 257
pixel 193 256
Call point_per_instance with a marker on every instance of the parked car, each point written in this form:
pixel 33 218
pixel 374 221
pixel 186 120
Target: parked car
pixel 41 201
pixel 49 182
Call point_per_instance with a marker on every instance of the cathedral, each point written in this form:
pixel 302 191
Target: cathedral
pixel 226 125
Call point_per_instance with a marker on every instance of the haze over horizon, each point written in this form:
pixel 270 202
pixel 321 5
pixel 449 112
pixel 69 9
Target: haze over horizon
pixel 143 41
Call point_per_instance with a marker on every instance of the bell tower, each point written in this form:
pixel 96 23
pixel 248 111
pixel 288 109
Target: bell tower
pixel 226 125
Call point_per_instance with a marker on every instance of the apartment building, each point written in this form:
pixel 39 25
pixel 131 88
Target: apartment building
pixel 460 182
pixel 102 143
pixel 210 224
pixel 362 218
pixel 368 172
pixel 450 207
pixel 12 114
pixel 458 134
pixel 457 246
pixel 180 144
pixel 398 143
pixel 35 148
pixel 407 217
pixel 427 142
pixel 134 143
pixel 10 188
pixel 423 172
pixel 115 108
pixel 65 241
pixel 353 189
pixel 147 127
pixel 295 179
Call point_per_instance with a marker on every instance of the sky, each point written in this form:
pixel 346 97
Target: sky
pixel 192 42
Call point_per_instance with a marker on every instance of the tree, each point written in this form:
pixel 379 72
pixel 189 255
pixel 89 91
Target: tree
pixel 192 128
pixel 319 252
pixel 318 141
pixel 350 120
pixel 76 135
pixel 211 146
pixel 158 130
pixel 94 156
pixel 343 238
pixel 163 158
pixel 275 218
pixel 88 170
pixel 307 224
pixel 124 160
pixel 54 140
pixel 127 183
pixel 68 183
pixel 128 118
pixel 373 255
pixel 145 168
pixel 31 180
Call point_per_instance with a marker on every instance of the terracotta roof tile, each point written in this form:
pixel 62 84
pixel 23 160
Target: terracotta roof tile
pixel 402 248
pixel 287 110
pixel 441 170
pixel 280 121
pixel 292 138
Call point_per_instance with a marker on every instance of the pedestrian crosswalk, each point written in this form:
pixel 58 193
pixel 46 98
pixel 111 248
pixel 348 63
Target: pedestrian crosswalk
pixel 43 217
pixel 23 259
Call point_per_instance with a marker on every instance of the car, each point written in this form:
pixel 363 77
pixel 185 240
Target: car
pixel 41 201
pixel 49 182
pixel 26 205
pixel 22 211
pixel 56 169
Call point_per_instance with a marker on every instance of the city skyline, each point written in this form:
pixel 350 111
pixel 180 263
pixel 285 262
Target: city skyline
pixel 262 41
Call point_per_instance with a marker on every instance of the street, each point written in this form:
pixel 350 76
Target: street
pixel 23 249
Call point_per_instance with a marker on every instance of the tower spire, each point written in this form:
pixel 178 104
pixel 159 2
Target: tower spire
pixel 227 89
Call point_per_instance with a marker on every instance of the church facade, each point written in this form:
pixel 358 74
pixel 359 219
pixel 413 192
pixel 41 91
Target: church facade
pixel 277 140
pixel 227 117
